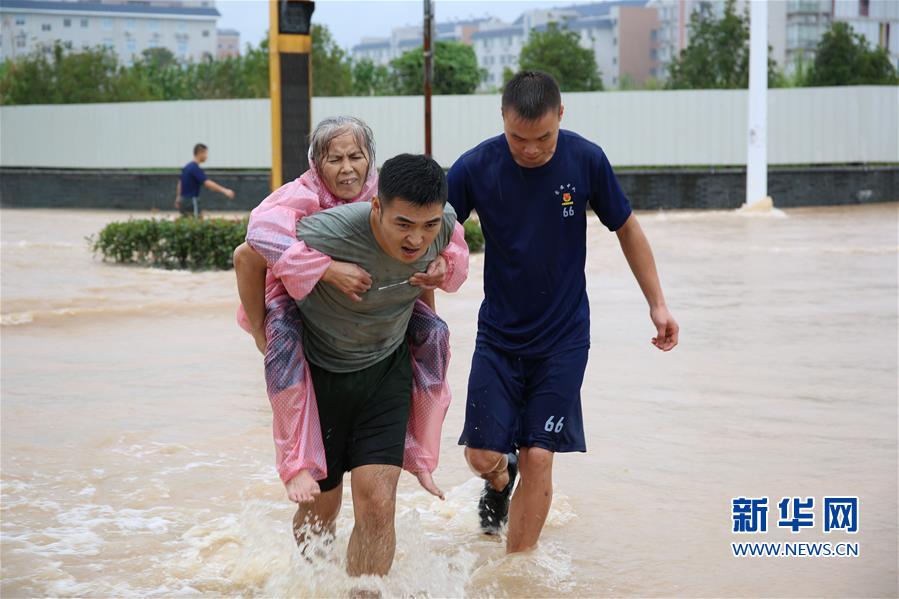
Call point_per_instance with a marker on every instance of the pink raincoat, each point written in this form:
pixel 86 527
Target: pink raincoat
pixel 294 270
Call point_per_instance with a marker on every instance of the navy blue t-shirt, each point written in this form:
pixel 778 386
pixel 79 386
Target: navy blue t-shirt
pixel 535 231
pixel 192 179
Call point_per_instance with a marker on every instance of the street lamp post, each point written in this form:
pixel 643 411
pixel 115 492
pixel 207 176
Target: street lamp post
pixel 429 70
pixel 757 148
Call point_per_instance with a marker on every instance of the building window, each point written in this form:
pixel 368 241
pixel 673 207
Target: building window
pixel 614 80
pixel 153 43
pixel 20 40
pixel 614 60
pixel 182 26
pixel 131 45
pixel 20 21
pixel 108 42
pixel 863 7
pixel 67 22
pixel 654 54
pixel 182 49
pixel 205 33
pixel 130 23
pixel 654 34
pixel 84 23
pixel 45 27
pixel 614 41
pixel 153 24
pixel 107 23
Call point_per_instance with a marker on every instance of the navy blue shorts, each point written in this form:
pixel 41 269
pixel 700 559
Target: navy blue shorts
pixel 525 402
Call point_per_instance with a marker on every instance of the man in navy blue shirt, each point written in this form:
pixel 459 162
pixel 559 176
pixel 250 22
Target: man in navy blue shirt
pixel 187 195
pixel 531 188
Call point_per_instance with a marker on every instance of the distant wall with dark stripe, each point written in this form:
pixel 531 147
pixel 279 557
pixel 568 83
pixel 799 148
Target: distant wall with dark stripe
pixel 650 189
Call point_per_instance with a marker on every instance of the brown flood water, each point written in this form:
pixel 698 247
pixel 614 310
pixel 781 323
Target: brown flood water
pixel 137 453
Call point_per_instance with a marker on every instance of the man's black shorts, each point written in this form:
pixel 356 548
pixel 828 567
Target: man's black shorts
pixel 364 414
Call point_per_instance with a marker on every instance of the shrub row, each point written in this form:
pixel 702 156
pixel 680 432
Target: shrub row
pixel 474 236
pixel 185 243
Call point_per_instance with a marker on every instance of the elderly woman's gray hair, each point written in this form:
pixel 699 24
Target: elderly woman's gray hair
pixel 335 126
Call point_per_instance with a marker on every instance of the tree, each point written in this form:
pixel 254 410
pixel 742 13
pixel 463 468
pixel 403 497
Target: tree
pixel 165 78
pixel 243 76
pixel 254 70
pixel 844 58
pixel 160 57
pixel 370 79
pixel 508 74
pixel 717 56
pixel 59 76
pixel 558 52
pixel 456 70
pixel 331 72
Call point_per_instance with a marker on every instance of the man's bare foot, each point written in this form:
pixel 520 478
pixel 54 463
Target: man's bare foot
pixel 302 488
pixel 427 482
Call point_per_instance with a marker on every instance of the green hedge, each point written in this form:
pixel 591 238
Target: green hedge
pixel 182 243
pixel 474 237
pixel 192 244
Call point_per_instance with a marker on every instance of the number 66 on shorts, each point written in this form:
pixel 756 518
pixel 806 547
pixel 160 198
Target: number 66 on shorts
pixel 556 427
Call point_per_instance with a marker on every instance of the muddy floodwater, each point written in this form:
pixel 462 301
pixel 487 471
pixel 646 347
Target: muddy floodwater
pixel 137 457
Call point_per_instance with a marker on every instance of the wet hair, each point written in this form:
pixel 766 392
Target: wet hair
pixel 531 94
pixel 414 178
pixel 332 127
pixel 199 148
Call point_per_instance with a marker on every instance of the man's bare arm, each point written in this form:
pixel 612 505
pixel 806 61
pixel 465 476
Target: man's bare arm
pixel 250 268
pixel 210 184
pixel 639 256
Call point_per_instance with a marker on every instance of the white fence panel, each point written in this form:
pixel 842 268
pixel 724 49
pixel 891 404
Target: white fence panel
pixel 136 134
pixel 661 128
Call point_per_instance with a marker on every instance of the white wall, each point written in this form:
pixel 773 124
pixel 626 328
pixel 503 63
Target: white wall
pixel 678 128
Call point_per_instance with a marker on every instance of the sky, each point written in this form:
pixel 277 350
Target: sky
pixel 351 20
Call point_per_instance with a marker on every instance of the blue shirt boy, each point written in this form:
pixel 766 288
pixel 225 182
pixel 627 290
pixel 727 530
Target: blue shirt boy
pixel 192 179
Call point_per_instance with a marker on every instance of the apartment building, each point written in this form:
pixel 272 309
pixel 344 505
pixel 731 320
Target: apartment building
pixel 621 35
pixel 186 27
pixel 228 44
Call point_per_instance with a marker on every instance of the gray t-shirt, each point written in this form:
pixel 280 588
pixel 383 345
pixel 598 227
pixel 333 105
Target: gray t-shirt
pixel 342 335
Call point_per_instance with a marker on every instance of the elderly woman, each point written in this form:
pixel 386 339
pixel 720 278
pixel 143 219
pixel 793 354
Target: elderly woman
pixel 274 268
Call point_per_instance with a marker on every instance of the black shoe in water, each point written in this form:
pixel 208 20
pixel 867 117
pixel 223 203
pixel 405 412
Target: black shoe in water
pixel 493 508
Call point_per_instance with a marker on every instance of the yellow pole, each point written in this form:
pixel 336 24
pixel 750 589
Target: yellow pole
pixel 289 39
pixel 274 77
